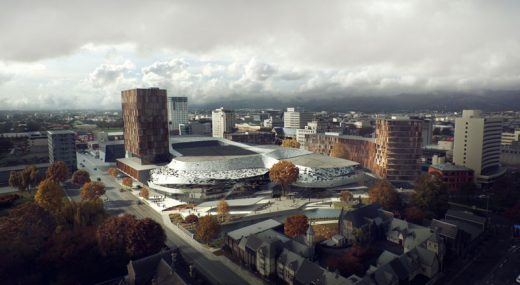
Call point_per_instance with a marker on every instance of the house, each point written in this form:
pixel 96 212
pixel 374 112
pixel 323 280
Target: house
pixel 369 219
pixel 232 239
pixel 157 269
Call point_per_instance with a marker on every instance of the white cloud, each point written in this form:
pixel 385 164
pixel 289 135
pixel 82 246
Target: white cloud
pixel 108 74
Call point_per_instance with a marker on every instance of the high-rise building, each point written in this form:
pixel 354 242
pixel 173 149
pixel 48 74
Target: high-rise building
pixel 145 119
pixel 223 121
pixel 296 119
pixel 427 132
pixel 398 148
pixel 477 144
pixel 62 146
pixel 177 113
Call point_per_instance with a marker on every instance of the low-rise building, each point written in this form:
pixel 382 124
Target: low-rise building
pixel 454 176
pixel 260 138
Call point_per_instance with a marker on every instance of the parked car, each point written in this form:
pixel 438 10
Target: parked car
pixel 95 168
pixel 98 179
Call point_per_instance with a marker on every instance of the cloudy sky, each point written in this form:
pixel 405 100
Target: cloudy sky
pixel 80 54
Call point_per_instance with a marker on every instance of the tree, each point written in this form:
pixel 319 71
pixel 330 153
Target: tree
pixel 191 219
pixel 112 171
pixel 145 193
pixel 16 180
pixel 384 194
pixel 75 215
pixel 431 195
pixel 207 228
pixel 284 173
pixel 296 225
pixel 29 176
pixel 58 171
pixel 146 237
pixel 223 210
pixel 49 196
pixel 176 218
pixel 291 143
pixel 112 235
pixel 414 215
pixel 346 196
pixel 351 262
pixel 127 181
pixel 80 177
pixel 92 190
pixel 339 151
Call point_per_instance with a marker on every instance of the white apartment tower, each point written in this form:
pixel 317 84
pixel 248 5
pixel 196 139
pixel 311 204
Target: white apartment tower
pixel 297 119
pixel 177 113
pixel 223 121
pixel 477 144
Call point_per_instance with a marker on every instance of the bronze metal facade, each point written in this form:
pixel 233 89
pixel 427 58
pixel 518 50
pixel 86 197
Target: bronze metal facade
pixel 398 149
pixel 145 119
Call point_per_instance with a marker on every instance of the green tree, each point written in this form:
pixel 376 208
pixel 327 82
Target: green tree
pixel 49 196
pixel 284 173
pixel 431 195
pixel 58 171
pixel 384 194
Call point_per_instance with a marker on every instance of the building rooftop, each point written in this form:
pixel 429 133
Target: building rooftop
pixel 136 164
pixel 253 229
pixel 450 167
pixel 315 160
pixel 61 132
pixel 233 203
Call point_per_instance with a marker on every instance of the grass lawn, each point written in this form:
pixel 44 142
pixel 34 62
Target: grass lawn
pixel 24 198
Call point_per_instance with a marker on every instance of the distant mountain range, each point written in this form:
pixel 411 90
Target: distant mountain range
pixel 487 101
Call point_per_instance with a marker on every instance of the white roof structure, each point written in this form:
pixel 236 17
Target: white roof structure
pixel 205 160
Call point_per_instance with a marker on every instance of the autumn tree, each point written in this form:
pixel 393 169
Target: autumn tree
pixel 127 181
pixel 92 190
pixel 207 228
pixel 145 193
pixel 176 218
pixel 296 225
pixel 191 219
pixel 414 215
pixel 112 235
pixel 112 171
pixel 75 215
pixel 346 196
pixel 339 150
pixel 80 177
pixel 58 171
pixel 384 194
pixel 291 143
pixel 15 180
pixel 284 173
pixel 146 237
pixel 352 261
pixel 223 210
pixel 49 196
pixel 431 195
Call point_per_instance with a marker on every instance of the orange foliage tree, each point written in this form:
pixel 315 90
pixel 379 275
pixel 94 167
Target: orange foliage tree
pixel 112 235
pixel 190 219
pixel 284 173
pixel 127 181
pixel 49 196
pixel 223 210
pixel 112 171
pixel 296 225
pixel 92 190
pixel 80 177
pixel 414 215
pixel 146 237
pixel 384 194
pixel 207 228
pixel 145 193
pixel 291 143
pixel 346 196
pixel 58 171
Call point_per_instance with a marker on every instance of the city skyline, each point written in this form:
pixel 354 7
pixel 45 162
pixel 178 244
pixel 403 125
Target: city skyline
pixel 80 56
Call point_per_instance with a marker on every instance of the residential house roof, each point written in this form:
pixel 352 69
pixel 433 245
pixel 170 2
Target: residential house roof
pixel 444 228
pixel 253 229
pixel 308 273
pixel 465 216
pixel 473 230
pixel 362 215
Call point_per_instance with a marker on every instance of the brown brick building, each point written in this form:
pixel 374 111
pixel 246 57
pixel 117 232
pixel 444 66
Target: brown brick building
pixel 145 119
pixel 455 176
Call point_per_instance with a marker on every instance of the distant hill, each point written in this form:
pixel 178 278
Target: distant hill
pixel 488 101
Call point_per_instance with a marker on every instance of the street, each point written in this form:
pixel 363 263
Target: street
pixel 124 202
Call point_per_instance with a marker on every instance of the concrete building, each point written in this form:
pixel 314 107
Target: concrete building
pixel 427 132
pixel 145 119
pixel 509 138
pixel 398 148
pixel 454 176
pixel 251 137
pixel 177 113
pixel 223 121
pixel 477 145
pixel 62 146
pixel 510 154
pixel 297 119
